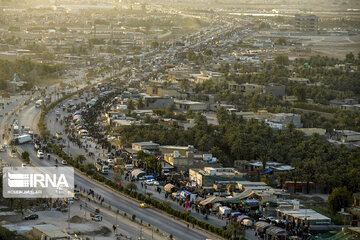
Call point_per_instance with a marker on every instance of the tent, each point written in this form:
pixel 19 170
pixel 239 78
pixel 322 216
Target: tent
pixel 275 231
pixel 262 226
pixel 235 215
pixel 169 187
pixel 242 217
pixel 211 200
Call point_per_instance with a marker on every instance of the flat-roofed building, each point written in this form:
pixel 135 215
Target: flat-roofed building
pixel 306 23
pixel 186 105
pixel 141 146
pixel 49 232
pixel 209 175
pixel 304 216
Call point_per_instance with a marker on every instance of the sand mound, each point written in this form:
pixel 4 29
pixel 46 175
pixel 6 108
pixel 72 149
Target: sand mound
pixel 77 219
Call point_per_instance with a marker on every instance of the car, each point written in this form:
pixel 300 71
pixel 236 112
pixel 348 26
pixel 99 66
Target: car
pixel 96 218
pixel 36 146
pixel 13 153
pixel 149 182
pixel 144 205
pixel 31 217
pixel 23 165
pixel 64 162
pixel 156 183
pixel 57 113
pixel 2 149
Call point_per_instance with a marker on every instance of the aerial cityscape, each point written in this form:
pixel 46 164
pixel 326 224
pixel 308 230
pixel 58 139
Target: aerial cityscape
pixel 179 119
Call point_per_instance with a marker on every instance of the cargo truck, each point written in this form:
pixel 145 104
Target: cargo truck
pixel 22 139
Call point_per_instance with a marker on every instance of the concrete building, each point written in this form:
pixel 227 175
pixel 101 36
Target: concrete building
pixel 141 146
pixel 347 136
pixel 299 80
pixel 281 120
pixel 49 232
pixel 163 92
pixel 183 162
pixel 306 23
pixel 186 105
pixel 209 175
pixel 155 102
pixel 275 89
pixel 246 88
pixel 181 149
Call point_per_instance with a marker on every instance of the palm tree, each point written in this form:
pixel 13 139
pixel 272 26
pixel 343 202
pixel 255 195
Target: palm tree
pixel 235 228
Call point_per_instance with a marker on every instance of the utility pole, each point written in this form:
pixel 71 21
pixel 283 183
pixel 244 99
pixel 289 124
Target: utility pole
pixel 69 216
pixel 140 232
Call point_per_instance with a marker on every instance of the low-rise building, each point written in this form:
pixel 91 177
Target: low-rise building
pixel 347 136
pixel 142 146
pixel 281 120
pixel 186 105
pixel 163 92
pixel 299 80
pixel 209 175
pixel 156 102
pixel 49 232
pixel 275 89
pixel 183 162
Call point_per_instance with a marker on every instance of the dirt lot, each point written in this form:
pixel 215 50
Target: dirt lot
pixel 333 46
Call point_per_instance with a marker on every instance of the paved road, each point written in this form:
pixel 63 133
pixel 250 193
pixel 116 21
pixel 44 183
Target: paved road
pixel 125 204
pixel 152 216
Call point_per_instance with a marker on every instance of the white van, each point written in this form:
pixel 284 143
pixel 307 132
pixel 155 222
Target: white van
pixel 40 154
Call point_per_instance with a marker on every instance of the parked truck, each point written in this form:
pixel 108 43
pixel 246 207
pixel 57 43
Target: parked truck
pixel 22 139
pixel 224 211
pixel 102 167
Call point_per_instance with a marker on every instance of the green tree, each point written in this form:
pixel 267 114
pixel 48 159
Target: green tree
pixel 131 186
pixel 350 57
pixel 340 198
pixel 171 108
pixel 154 45
pixel 235 229
pixel 80 158
pixel 25 156
pixel 222 115
pixel 282 60
pixel 280 41
pixel 130 104
pixel 300 93
pixel 140 103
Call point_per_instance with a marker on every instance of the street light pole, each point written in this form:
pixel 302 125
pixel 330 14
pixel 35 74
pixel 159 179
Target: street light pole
pixel 69 216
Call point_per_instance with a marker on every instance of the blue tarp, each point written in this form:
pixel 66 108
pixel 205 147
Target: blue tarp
pixel 267 171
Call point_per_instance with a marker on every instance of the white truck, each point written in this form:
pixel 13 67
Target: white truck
pixel 22 139
pixel 224 211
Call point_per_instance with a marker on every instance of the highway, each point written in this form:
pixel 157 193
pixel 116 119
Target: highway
pixel 54 127
pixel 165 223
